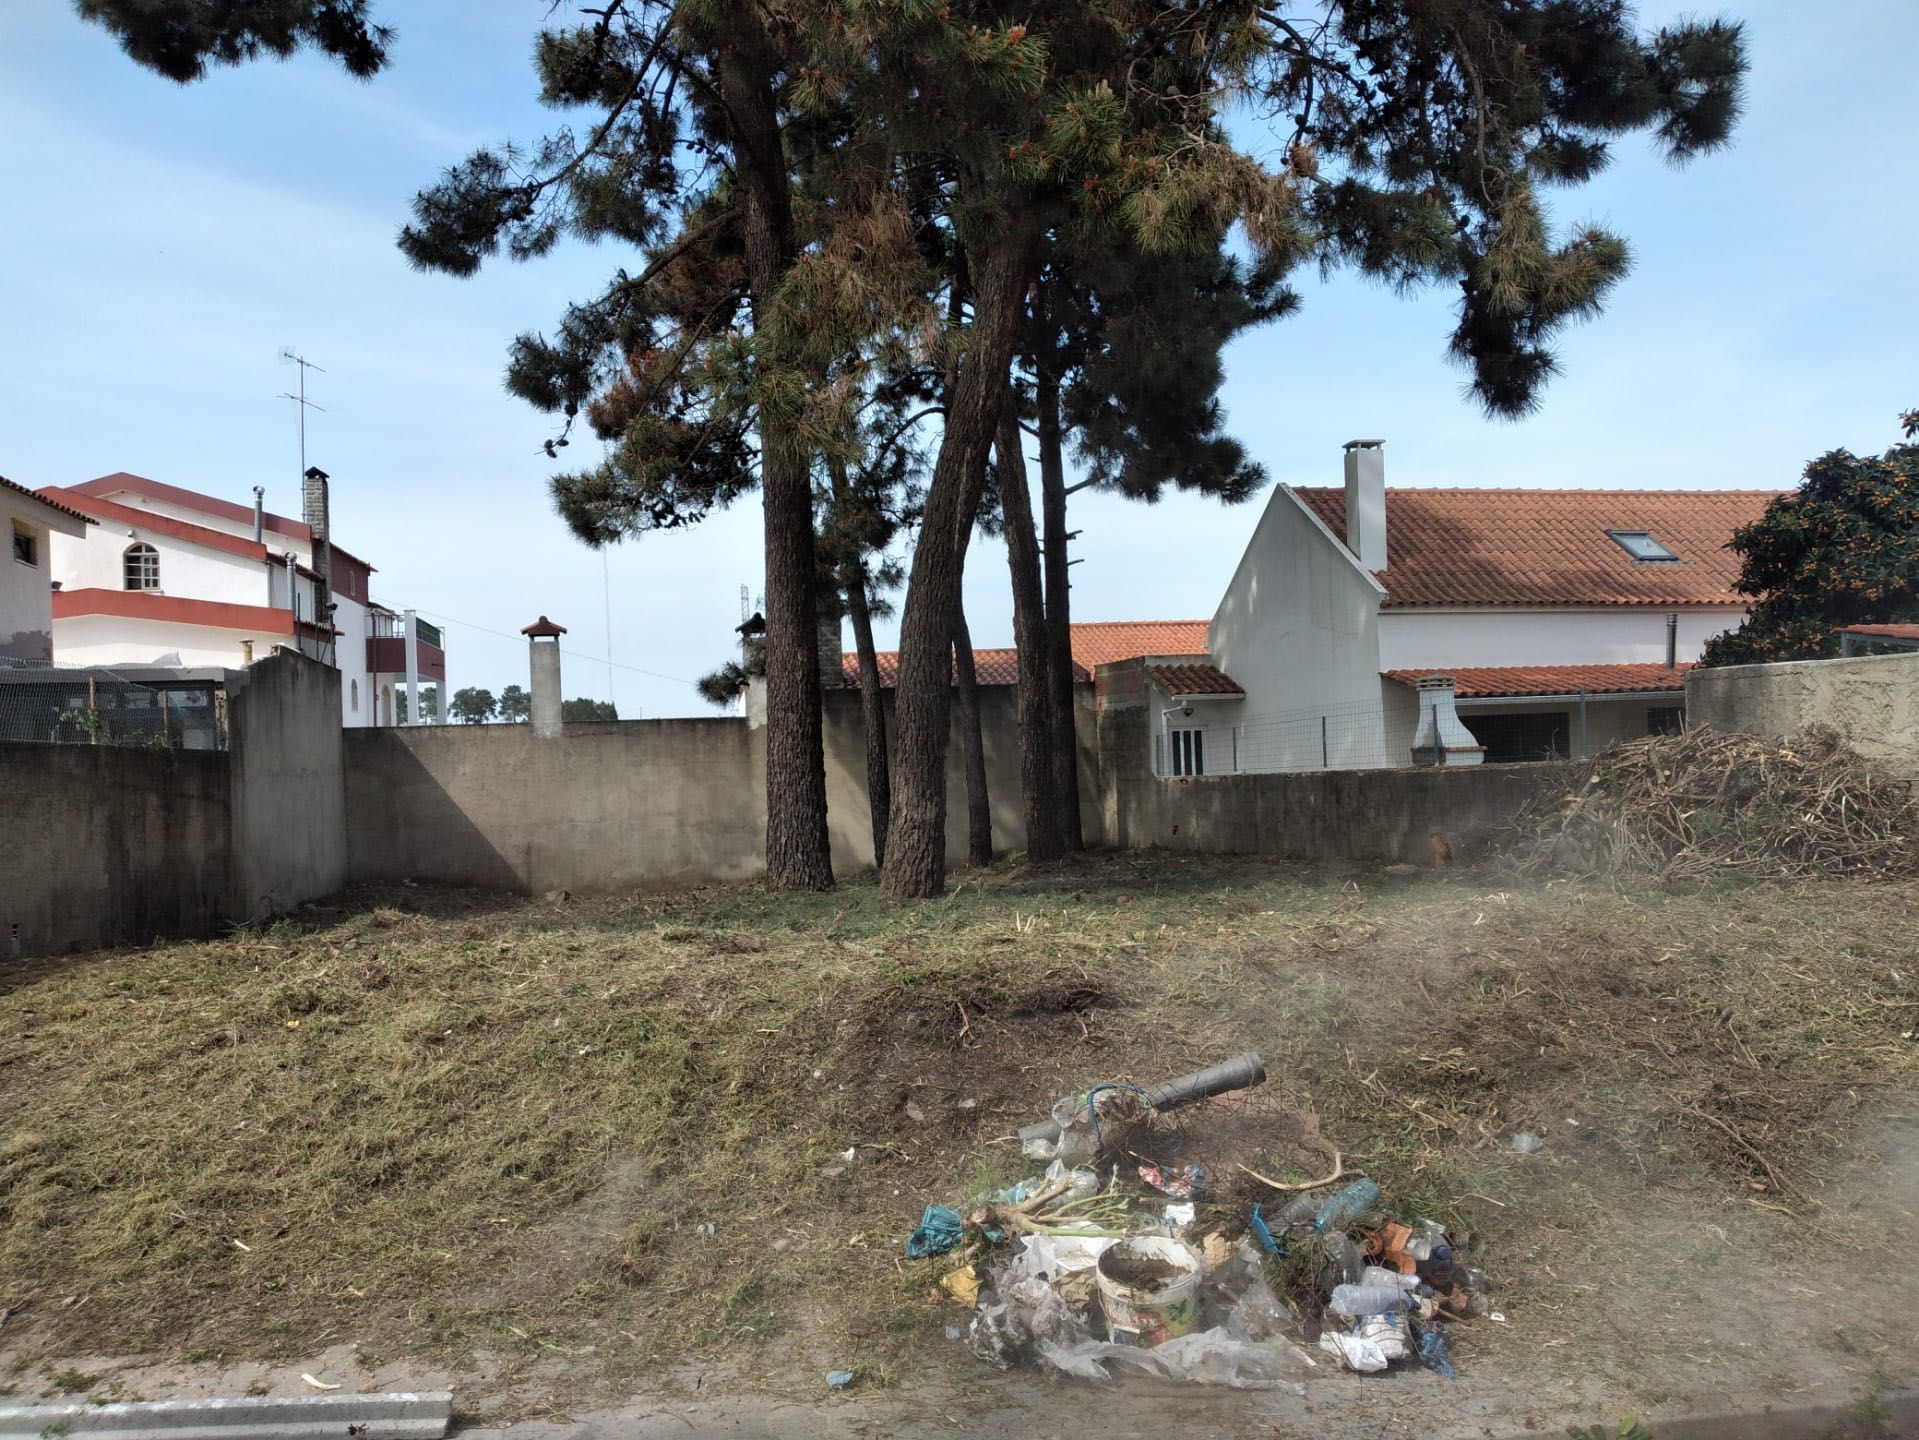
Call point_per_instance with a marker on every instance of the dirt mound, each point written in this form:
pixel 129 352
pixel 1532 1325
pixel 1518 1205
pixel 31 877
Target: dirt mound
pixel 1684 810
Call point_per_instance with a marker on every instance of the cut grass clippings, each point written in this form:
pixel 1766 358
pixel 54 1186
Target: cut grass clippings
pixel 607 1136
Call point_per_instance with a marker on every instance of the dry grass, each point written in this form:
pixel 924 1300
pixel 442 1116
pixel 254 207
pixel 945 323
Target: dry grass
pixel 445 1122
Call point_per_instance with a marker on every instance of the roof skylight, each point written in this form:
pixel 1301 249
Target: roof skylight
pixel 1642 547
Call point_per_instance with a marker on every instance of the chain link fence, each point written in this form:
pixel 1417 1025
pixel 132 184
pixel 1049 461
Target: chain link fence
pixel 96 705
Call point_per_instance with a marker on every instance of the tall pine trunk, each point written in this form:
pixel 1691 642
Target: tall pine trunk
pixel 1039 804
pixel 916 839
pixel 798 854
pixel 872 696
pixel 979 803
pixel 1059 610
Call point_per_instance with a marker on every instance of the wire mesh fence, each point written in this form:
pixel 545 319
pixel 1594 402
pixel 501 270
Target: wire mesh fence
pixel 1381 735
pixel 97 705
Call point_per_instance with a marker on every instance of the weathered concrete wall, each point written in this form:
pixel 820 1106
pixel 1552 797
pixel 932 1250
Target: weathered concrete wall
pixel 849 816
pixel 607 806
pixel 110 845
pixel 1308 816
pixel 1873 701
pixel 617 806
pixel 289 799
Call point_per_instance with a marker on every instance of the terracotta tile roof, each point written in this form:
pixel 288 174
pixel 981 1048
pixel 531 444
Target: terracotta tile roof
pixel 1193 680
pixel 1095 642
pixel 45 500
pixel 122 480
pixel 1882 632
pixel 1550 547
pixel 1485 682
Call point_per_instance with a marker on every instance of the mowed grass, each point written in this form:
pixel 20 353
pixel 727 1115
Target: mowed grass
pixel 606 1136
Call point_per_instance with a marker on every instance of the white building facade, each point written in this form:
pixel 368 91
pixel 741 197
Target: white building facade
pixel 28 523
pixel 1567 619
pixel 171 577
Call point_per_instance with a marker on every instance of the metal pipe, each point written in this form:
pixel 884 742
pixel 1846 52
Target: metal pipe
pixel 259 514
pixel 1672 642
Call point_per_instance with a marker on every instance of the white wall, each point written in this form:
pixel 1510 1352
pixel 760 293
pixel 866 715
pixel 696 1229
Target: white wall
pixel 277 543
pixel 187 571
pixel 26 591
pixel 1298 625
pixel 1411 639
pixel 117 640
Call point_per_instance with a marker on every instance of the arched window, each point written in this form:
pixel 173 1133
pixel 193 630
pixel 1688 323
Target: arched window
pixel 142 567
pixel 353 689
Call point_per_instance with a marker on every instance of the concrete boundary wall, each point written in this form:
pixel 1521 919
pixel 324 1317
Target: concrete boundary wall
pixel 115 845
pixel 1871 700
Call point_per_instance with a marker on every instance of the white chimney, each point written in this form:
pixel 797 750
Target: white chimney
pixel 1442 737
pixel 1366 502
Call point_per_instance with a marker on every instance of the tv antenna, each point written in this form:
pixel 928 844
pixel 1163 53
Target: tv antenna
pixel 300 401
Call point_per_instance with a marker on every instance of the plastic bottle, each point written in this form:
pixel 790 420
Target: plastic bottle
pixel 1357 1300
pixel 1380 1275
pixel 1347 1205
pixel 1345 1254
pixel 1298 1211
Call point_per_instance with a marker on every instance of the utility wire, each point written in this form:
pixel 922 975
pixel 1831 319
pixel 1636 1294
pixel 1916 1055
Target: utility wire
pixel 436 616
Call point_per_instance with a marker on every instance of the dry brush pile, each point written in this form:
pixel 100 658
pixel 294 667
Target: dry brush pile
pixel 1691 809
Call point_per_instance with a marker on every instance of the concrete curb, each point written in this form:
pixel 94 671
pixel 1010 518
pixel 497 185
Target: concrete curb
pixel 1897 1414
pixel 422 1415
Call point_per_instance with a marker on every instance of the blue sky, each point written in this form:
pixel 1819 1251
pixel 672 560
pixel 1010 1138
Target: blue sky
pixel 165 243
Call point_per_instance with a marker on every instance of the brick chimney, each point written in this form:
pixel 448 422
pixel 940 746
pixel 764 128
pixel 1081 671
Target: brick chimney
pixel 1366 502
pixel 832 672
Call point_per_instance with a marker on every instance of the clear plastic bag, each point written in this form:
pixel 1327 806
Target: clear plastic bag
pixel 1207 1357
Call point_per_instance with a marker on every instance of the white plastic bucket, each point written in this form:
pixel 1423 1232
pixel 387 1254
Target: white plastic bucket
pixel 1149 1315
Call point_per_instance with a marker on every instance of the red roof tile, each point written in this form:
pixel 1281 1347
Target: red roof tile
pixel 1485 682
pixel 1095 642
pixel 121 480
pixel 45 500
pixel 156 522
pixel 1550 547
pixel 1193 680
pixel 1882 632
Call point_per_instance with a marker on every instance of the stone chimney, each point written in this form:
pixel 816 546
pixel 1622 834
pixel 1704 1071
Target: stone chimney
pixel 1441 738
pixel 543 665
pixel 832 671
pixel 1366 502
pixel 315 511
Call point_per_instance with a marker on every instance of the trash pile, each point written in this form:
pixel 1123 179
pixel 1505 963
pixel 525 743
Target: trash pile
pixel 1129 1253
pixel 1691 808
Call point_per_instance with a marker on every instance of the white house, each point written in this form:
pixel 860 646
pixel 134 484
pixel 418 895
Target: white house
pixel 26 583
pixel 1565 618
pixel 172 577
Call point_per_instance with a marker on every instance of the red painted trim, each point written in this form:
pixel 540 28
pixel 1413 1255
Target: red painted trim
pixel 386 655
pixel 145 605
pixel 208 504
pixel 161 524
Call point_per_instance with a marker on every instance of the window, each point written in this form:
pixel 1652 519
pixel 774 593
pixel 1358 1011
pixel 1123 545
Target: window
pixel 1642 547
pixel 1189 752
pixel 1528 735
pixel 26 544
pixel 1666 720
pixel 142 567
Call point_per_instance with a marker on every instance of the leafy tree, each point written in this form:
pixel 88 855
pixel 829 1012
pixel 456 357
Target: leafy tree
pixel 516 706
pixel 473 706
pixel 584 709
pixel 1842 549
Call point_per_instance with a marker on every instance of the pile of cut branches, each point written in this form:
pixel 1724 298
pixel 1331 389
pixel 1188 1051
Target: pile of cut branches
pixel 1683 810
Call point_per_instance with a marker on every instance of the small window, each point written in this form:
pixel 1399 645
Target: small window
pixel 1642 547
pixel 26 544
pixel 142 567
pixel 1189 752
pixel 1666 720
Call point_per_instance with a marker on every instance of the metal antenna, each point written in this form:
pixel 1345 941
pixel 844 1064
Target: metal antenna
pixel 301 403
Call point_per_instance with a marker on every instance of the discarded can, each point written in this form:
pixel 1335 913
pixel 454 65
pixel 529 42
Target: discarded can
pixel 1149 1290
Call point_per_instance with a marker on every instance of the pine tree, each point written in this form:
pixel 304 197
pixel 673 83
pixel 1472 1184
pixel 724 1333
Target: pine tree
pixel 516 706
pixel 473 705
pixel 1842 549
